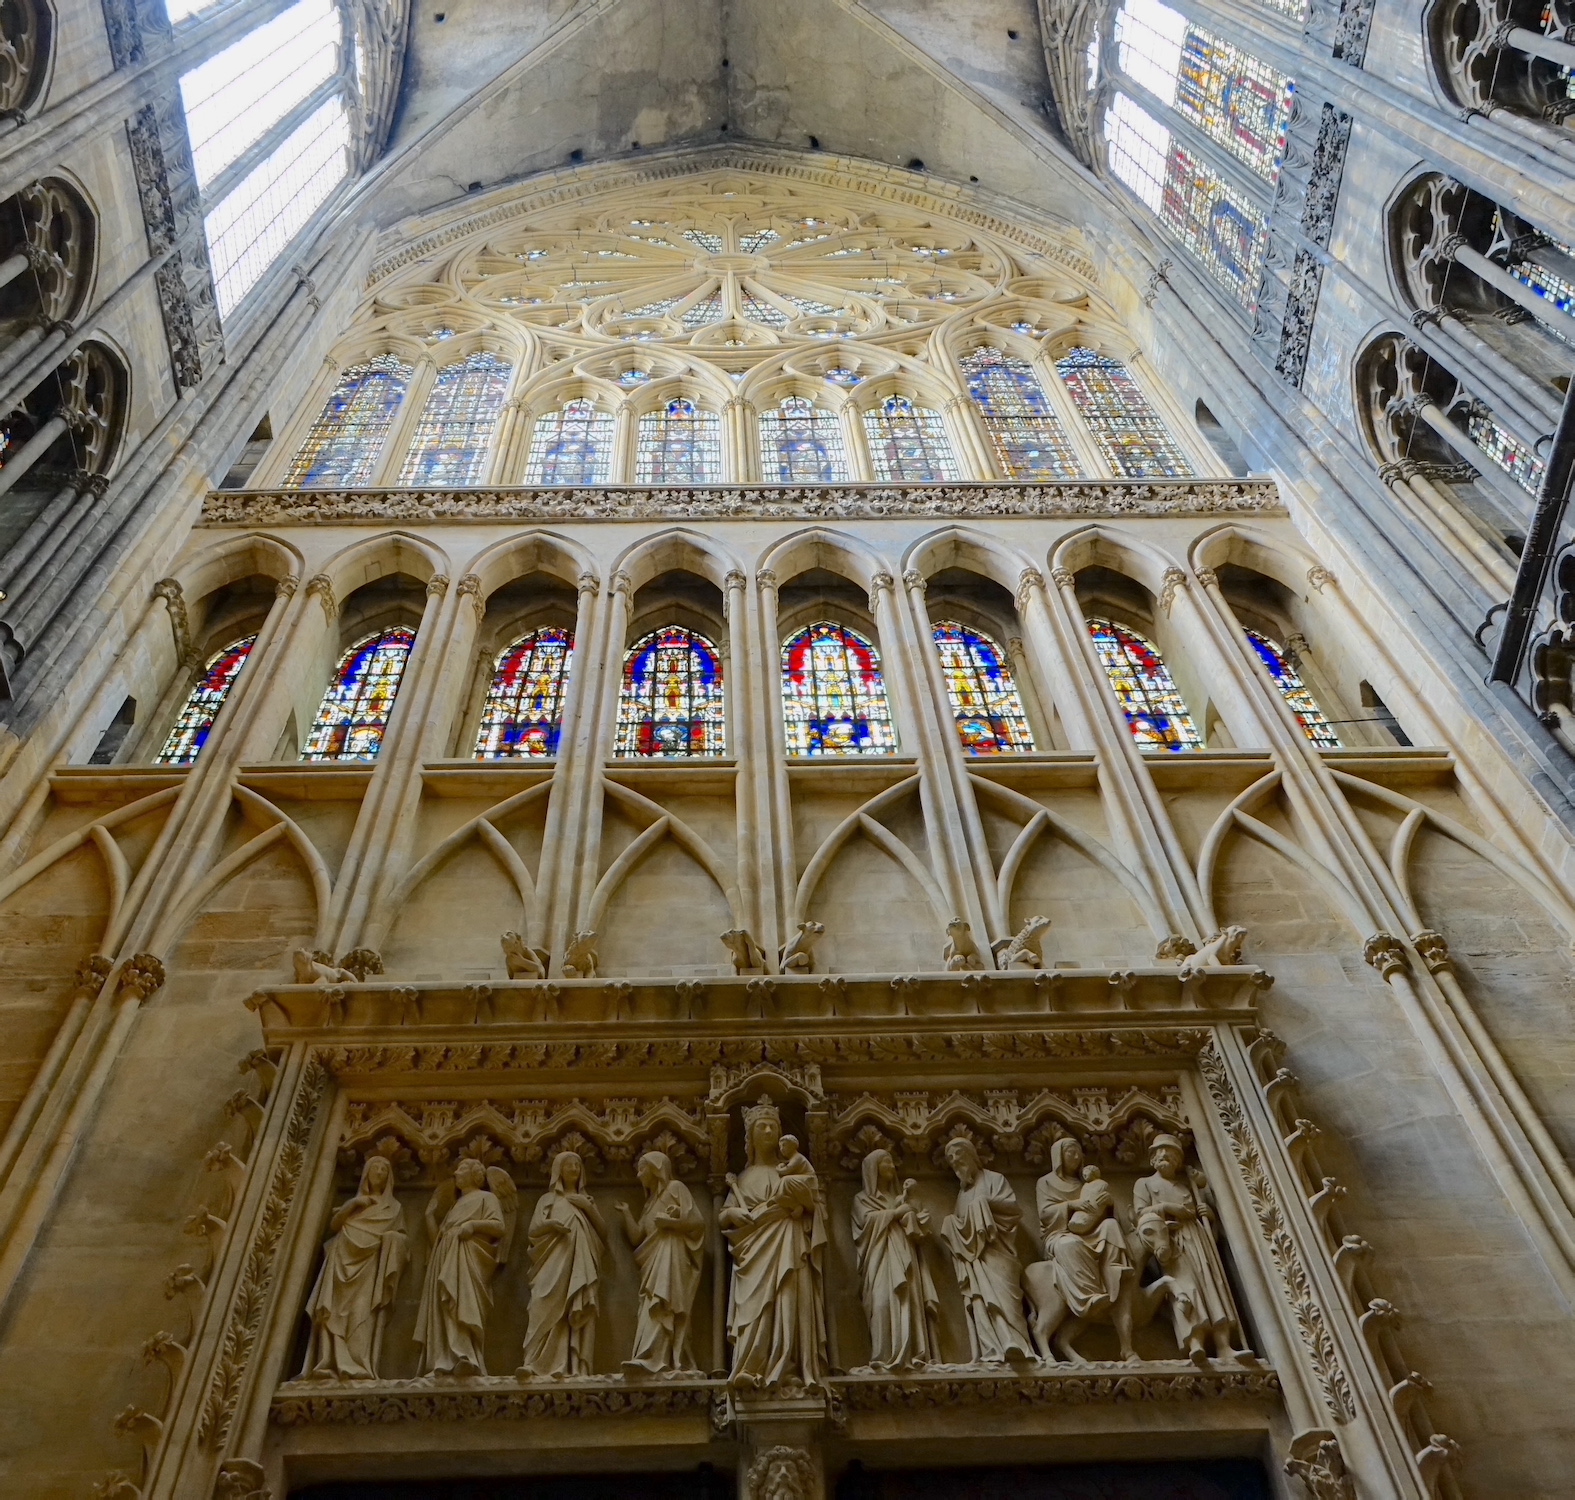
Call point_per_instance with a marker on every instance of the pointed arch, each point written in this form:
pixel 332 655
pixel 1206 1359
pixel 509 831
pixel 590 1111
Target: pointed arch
pixel 966 547
pixel 369 558
pixel 820 547
pixel 680 548
pixel 834 699
pixel 353 716
pixel 514 557
pixel 228 561
pixel 343 446
pixel 671 698
pixel 981 689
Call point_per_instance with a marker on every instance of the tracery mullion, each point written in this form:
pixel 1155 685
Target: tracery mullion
pixel 402 430
pixel 1090 455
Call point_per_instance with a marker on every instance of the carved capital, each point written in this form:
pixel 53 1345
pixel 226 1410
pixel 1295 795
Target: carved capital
pixel 1027 581
pixel 91 974
pixel 1208 578
pixel 765 578
pixel 1384 952
pixel 1434 948
pixel 1319 576
pixel 1063 578
pixel 322 586
pixel 437 585
pixel 736 579
pixel 587 583
pixel 1175 580
pixel 881 583
pixel 915 581
pixel 622 583
pixel 241 1479
pixel 470 588
pixel 140 976
pixel 284 588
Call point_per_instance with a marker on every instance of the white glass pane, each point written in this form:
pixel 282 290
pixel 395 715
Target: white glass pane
pixel 1148 41
pixel 273 202
pixel 234 98
pixel 178 10
pixel 1139 147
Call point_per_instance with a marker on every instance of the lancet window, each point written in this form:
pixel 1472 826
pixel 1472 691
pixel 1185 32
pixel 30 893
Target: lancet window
pixel 1294 691
pixel 454 433
pixel 908 443
pixel 1129 431
pixel 670 701
pixel 355 709
pixel 801 443
pixel 1156 712
pixel 346 440
pixel 833 695
pixel 982 691
pixel 203 703
pixel 1026 435
pixel 523 714
pixel 680 444
pixel 573 445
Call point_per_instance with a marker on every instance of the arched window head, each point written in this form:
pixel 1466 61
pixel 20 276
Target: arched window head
pixel 523 714
pixel 572 445
pixel 343 446
pixel 355 709
pixel 1294 691
pixel 1147 693
pixel 908 443
pixel 1126 427
pixel 455 431
pixel 833 698
pixel 801 443
pixel 981 690
pixel 203 703
pixel 670 702
pixel 1027 437
pixel 680 444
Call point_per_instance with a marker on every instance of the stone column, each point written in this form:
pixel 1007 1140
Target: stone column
pixel 773 791
pixel 740 459
pixel 975 456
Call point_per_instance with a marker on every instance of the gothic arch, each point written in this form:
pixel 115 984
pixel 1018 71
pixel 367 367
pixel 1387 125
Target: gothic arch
pixel 964 547
pixel 234 558
pixel 532 552
pixel 819 547
pixel 669 551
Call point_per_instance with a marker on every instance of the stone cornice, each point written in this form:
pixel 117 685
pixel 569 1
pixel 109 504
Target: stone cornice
pixel 1064 499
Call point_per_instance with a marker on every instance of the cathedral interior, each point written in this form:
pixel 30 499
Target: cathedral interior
pixel 787 749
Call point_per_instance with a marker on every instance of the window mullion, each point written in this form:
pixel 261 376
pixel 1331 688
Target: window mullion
pixel 270 141
pixel 402 430
pixel 1089 454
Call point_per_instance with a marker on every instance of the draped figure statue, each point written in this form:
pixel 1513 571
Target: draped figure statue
pixel 775 1226
pixel 1175 1219
pixel 567 1242
pixel 897 1290
pixel 468 1224
pixel 669 1245
pixel 982 1237
pixel 362 1264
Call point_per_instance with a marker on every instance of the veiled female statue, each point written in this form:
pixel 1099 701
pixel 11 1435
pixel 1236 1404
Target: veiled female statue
pixel 898 1292
pixel 1175 1219
pixel 567 1242
pixel 982 1237
pixel 469 1224
pixel 669 1244
pixel 773 1220
pixel 362 1264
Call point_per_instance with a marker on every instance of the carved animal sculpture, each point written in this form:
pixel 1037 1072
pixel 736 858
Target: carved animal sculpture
pixel 1055 1330
pixel 1221 950
pixel 309 969
pixel 798 954
pixel 961 954
pixel 748 956
pixel 579 958
pixel 524 962
pixel 1022 951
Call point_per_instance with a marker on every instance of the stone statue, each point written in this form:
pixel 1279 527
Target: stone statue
pixel 776 1319
pixel 567 1242
pixel 362 1264
pixel 524 962
pixel 898 1293
pixel 669 1246
pixel 1222 950
pixel 798 953
pixel 1175 1220
pixel 961 954
pixel 470 1222
pixel 982 1237
pixel 748 956
pixel 579 958
pixel 1022 951
pixel 781 1473
pixel 1316 1460
pixel 310 969
pixel 1088 1275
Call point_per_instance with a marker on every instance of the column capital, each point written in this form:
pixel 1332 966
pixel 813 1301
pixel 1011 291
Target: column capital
pixel 1174 581
pixel 470 588
pixel 765 578
pixel 1207 577
pixel 916 581
pixel 1318 576
pixel 322 586
pixel 1027 581
pixel 1385 953
pixel 437 585
pixel 284 588
pixel 881 583
pixel 587 583
pixel 622 583
pixel 1063 578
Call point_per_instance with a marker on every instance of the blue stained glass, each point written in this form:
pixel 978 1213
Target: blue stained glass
pixel 802 444
pixel 203 703
pixel 455 431
pixel 1119 415
pixel 355 709
pixel 1027 437
pixel 908 443
pixel 1156 712
pixel 982 692
pixel 680 444
pixel 833 696
pixel 1297 697
pixel 343 445
pixel 523 715
pixel 571 446
pixel 670 700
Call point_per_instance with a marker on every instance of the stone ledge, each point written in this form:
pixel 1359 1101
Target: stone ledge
pixel 1055 499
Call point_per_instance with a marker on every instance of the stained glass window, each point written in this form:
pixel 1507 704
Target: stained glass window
pixel 343 445
pixel 1128 430
pixel 1027 437
pixel 572 445
pixel 355 709
pixel 800 443
pixel 455 431
pixel 203 703
pixel 1225 231
pixel 983 696
pixel 1509 453
pixel 670 701
pixel 1548 268
pixel 833 697
pixel 908 443
pixel 523 714
pixel 1144 687
pixel 680 444
pixel 1297 698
